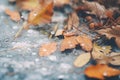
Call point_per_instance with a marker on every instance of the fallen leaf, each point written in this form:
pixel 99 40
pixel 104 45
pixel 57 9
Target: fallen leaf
pixel 73 21
pixel 85 42
pixel 61 2
pixel 115 58
pixel 68 43
pixel 59 32
pixel 100 71
pixel 41 16
pixel 82 59
pixel 96 8
pixel 112 33
pixel 28 4
pixel 14 15
pixel 100 51
pixel 47 49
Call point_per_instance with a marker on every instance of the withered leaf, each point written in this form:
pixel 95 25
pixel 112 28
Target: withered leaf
pixel 68 43
pixel 96 8
pixel 99 51
pixel 85 42
pixel 73 21
pixel 112 33
pixel 100 71
pixel 59 32
pixel 14 15
pixel 47 49
pixel 41 16
pixel 115 58
pixel 61 2
pixel 28 4
pixel 82 59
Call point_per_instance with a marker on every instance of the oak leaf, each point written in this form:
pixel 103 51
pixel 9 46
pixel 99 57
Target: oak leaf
pixel 47 49
pixel 82 59
pixel 112 33
pixel 99 51
pixel 68 43
pixel 96 8
pixel 100 71
pixel 85 42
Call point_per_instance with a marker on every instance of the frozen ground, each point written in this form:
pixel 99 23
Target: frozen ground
pixel 24 63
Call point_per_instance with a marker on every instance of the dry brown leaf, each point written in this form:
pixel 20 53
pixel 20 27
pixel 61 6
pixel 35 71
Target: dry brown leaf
pixel 47 49
pixel 61 2
pixel 85 42
pixel 96 8
pixel 112 33
pixel 73 21
pixel 100 52
pixel 14 15
pixel 28 4
pixel 59 32
pixel 82 59
pixel 68 43
pixel 41 16
pixel 69 34
pixel 100 71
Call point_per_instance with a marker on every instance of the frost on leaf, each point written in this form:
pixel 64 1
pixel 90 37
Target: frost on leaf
pixel 112 33
pixel 99 51
pixel 68 43
pixel 85 42
pixel 82 59
pixel 47 49
pixel 100 71
pixel 14 15
pixel 115 58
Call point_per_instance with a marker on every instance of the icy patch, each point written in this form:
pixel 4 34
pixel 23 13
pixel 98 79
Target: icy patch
pixel 52 58
pixel 21 45
pixel 2 8
pixel 64 67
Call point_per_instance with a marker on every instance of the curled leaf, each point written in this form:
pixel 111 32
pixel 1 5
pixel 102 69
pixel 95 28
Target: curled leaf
pixel 100 71
pixel 47 49
pixel 73 21
pixel 41 16
pixel 82 59
pixel 112 33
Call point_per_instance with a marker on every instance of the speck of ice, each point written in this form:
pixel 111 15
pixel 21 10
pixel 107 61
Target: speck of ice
pixel 2 8
pixel 52 58
pixel 64 67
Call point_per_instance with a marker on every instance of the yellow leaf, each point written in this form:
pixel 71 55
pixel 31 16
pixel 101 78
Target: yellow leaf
pixel 82 59
pixel 47 49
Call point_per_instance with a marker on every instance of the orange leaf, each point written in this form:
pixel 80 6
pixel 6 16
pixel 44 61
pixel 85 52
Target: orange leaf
pixel 14 15
pixel 68 43
pixel 38 16
pixel 47 49
pixel 100 71
pixel 85 42
pixel 28 4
